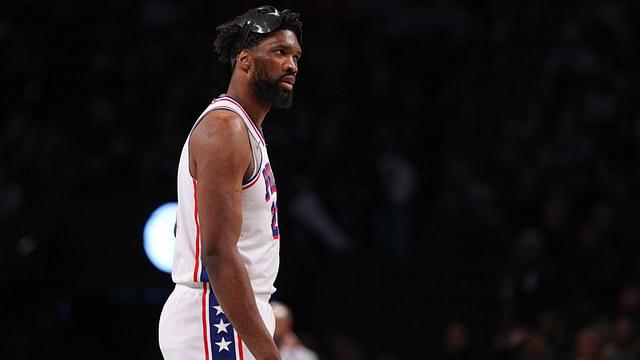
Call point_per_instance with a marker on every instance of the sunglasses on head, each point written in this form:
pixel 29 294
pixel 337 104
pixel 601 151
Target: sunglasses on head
pixel 260 20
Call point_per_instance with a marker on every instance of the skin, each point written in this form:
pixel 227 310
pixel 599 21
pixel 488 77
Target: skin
pixel 220 159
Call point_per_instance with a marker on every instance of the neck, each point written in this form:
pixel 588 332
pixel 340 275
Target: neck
pixel 255 107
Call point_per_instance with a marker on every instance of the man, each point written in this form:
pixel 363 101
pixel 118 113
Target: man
pixel 291 348
pixel 227 238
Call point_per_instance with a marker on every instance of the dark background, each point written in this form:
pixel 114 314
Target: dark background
pixel 457 179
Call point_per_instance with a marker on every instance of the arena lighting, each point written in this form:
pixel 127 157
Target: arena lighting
pixel 158 236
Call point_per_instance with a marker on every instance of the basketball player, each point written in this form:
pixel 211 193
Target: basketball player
pixel 227 238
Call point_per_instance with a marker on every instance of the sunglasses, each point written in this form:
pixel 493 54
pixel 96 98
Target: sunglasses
pixel 261 20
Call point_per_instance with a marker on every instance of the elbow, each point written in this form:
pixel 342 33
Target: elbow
pixel 217 260
pixel 215 252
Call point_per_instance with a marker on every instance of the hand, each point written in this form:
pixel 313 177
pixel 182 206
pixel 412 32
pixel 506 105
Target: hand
pixel 273 356
pixel 271 353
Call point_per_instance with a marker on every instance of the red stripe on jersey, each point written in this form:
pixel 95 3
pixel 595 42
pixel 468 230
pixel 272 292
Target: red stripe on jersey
pixel 240 355
pixel 205 336
pixel 246 186
pixel 197 245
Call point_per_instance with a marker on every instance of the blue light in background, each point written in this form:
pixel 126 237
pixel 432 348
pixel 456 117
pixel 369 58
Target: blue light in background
pixel 159 240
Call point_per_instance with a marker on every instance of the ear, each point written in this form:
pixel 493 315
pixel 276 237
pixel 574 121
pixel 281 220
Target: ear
pixel 244 60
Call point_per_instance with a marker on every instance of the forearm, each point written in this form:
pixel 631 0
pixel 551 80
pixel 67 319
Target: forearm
pixel 233 290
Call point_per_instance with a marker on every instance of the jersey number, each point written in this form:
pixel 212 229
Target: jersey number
pixel 274 221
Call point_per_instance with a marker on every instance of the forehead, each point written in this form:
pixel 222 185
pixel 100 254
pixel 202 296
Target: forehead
pixel 284 37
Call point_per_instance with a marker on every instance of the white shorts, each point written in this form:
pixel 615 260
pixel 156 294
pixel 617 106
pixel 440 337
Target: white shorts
pixel 193 327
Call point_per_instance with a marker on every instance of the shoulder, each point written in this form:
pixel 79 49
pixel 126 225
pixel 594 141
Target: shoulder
pixel 219 144
pixel 219 126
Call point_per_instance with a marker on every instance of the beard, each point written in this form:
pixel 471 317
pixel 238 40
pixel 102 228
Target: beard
pixel 270 91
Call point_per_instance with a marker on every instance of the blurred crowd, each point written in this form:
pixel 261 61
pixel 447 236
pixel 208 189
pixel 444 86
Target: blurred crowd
pixel 457 179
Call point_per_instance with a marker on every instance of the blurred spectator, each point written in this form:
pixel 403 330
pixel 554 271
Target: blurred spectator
pixel 535 347
pixel 393 215
pixel 592 272
pixel 309 211
pixel 291 348
pixel 589 344
pixel 457 344
pixel 552 330
pixel 509 340
pixel 624 343
pixel 528 280
pixel 628 296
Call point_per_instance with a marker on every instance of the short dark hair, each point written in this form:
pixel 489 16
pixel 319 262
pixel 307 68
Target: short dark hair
pixel 228 34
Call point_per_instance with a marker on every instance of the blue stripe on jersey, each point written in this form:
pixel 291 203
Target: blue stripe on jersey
pixel 204 277
pixel 222 335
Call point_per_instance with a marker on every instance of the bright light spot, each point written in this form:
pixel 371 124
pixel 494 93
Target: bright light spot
pixel 159 240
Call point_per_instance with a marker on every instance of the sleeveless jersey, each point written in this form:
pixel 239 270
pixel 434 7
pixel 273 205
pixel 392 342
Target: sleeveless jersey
pixel 259 244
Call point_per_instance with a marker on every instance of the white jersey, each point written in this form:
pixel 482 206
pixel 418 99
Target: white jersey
pixel 259 244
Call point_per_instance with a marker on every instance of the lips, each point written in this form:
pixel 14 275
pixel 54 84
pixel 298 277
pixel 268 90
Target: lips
pixel 287 82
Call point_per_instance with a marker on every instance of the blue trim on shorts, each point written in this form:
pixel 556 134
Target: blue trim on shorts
pixel 218 336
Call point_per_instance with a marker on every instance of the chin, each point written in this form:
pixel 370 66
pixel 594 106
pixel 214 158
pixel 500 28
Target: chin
pixel 284 102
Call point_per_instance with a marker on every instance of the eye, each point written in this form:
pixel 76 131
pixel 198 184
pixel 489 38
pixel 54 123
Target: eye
pixel 279 52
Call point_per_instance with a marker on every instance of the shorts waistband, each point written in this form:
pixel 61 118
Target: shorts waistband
pixel 199 287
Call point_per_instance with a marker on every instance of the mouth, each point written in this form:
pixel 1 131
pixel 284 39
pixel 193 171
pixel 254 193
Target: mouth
pixel 287 82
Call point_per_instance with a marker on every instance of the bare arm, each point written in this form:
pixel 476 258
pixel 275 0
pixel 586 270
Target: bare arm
pixel 220 155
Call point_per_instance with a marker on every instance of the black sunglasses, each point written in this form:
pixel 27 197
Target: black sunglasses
pixel 261 20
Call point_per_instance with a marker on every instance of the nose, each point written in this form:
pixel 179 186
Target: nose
pixel 291 65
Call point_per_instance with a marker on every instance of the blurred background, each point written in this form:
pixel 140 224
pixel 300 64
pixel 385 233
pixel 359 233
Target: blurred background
pixel 457 179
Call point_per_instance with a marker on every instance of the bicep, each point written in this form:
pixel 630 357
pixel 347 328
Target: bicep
pixel 221 154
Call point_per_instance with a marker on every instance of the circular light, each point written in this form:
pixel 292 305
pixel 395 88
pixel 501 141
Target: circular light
pixel 158 236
